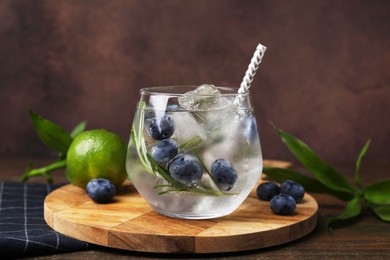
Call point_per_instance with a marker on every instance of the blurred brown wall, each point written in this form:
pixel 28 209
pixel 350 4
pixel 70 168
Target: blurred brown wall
pixel 325 76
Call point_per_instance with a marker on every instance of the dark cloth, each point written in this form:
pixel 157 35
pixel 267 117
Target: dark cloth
pixel 23 230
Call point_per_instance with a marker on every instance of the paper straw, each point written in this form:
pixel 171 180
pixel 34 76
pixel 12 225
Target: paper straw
pixel 250 74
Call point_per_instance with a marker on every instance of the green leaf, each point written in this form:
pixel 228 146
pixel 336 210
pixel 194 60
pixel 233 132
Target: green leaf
pixel 321 171
pixel 311 185
pixel 359 160
pixel 52 135
pixel 353 209
pixel 378 193
pixel 79 128
pixel 383 212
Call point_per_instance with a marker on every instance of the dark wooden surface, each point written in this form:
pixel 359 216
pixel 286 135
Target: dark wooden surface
pixel 365 238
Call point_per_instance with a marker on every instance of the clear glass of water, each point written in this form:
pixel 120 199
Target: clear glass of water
pixel 193 153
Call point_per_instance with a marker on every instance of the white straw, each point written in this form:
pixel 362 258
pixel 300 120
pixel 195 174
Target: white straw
pixel 250 74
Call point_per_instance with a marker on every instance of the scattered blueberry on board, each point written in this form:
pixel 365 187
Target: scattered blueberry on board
pixel 224 175
pixel 293 189
pixel 164 151
pixel 282 199
pixel 101 190
pixel 185 169
pixel 283 204
pixel 267 190
pixel 162 128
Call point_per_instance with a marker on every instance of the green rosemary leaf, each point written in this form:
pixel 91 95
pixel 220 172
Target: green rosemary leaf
pixel 190 144
pixel 206 169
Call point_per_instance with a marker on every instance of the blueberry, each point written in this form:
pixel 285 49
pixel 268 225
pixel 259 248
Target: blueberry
pixel 293 189
pixel 224 174
pixel 101 190
pixel 164 151
pixel 186 170
pixel 267 190
pixel 283 204
pixel 161 128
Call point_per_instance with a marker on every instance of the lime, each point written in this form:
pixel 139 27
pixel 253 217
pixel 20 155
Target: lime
pixel 96 154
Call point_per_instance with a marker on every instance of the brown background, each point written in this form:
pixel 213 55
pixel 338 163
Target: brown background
pixel 325 76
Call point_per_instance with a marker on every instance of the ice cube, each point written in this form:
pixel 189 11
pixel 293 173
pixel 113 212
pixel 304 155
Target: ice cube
pixel 206 89
pixel 202 98
pixel 186 127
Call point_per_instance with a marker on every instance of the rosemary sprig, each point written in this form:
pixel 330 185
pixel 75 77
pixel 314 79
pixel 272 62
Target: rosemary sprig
pixel 190 144
pixel 177 186
pixel 157 170
pixel 138 139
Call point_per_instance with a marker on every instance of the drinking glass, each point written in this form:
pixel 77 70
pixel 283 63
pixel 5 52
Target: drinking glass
pixel 193 152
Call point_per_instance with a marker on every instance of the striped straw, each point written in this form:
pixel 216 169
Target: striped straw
pixel 250 74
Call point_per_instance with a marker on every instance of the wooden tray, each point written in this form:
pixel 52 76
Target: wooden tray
pixel 130 223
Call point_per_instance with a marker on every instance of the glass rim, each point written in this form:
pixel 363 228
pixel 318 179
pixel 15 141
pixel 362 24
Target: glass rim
pixel 169 91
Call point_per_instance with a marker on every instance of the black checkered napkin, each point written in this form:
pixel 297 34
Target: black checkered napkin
pixel 23 230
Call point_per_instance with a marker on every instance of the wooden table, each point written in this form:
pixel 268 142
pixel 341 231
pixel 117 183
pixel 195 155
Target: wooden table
pixel 365 238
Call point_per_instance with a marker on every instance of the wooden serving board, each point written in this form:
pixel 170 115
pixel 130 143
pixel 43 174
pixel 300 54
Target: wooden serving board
pixel 130 223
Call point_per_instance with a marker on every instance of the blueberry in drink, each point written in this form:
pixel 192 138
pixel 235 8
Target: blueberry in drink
pixel 164 151
pixel 162 128
pixel 186 170
pixel 224 174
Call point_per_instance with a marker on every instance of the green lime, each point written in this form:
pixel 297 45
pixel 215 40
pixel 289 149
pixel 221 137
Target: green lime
pixel 96 154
